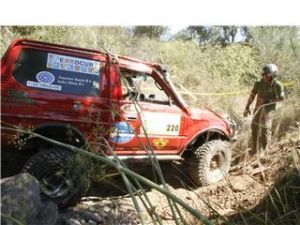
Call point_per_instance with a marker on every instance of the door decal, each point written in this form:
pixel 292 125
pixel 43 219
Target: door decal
pixel 161 123
pixel 121 133
pixel 160 143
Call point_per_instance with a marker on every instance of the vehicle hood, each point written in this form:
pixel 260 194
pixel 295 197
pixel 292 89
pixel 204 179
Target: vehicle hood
pixel 199 114
pixel 214 118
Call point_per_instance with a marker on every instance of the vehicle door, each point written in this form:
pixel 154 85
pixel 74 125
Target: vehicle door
pixel 150 118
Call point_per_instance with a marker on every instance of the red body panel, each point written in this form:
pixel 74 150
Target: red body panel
pixel 29 107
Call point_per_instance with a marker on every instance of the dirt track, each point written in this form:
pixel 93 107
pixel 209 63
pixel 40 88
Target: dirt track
pixel 249 181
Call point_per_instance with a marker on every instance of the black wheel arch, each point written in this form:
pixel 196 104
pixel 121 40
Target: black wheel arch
pixel 65 133
pixel 201 138
pixel 62 132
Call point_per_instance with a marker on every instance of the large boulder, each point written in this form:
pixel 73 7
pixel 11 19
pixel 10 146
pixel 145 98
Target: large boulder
pixel 21 202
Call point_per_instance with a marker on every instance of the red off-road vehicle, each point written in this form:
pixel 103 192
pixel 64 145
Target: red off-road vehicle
pixel 92 99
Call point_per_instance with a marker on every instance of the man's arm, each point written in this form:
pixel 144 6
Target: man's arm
pixel 249 102
pixel 274 100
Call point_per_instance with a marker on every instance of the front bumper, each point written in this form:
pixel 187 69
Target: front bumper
pixel 232 126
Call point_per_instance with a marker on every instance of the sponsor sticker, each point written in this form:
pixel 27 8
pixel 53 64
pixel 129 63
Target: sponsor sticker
pixel 44 81
pixel 121 133
pixel 45 77
pixel 73 64
pixel 160 143
pixel 161 123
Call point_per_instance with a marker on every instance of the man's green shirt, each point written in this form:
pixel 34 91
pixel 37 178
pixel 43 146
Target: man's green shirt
pixel 268 92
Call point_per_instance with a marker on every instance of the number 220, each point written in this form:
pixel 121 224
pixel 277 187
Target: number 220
pixel 172 127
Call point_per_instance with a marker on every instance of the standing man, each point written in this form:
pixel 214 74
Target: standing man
pixel 269 91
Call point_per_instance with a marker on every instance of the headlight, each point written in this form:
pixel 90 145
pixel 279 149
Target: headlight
pixel 231 124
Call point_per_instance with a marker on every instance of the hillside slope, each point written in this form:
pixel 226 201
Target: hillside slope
pixel 250 186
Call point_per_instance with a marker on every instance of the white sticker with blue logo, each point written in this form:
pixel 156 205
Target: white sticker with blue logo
pixel 45 80
pixel 121 133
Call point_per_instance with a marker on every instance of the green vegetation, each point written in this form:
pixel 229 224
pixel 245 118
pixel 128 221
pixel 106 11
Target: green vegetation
pixel 200 68
pixel 206 74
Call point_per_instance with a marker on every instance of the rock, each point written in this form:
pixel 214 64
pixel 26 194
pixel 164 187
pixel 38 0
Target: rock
pixel 21 201
pixel 20 197
pixel 72 221
pixel 91 222
pixel 79 216
pixel 92 217
pixel 48 213
pixel 240 183
pixel 226 212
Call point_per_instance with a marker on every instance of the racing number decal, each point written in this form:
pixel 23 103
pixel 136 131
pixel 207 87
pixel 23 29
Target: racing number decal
pixel 161 123
pixel 172 127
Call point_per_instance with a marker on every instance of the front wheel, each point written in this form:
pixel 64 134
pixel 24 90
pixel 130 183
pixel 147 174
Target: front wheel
pixel 210 162
pixel 63 178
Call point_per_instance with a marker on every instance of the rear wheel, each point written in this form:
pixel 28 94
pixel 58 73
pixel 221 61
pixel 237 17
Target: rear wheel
pixel 63 178
pixel 210 162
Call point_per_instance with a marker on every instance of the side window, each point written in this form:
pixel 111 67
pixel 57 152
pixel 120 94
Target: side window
pixel 142 87
pixel 56 72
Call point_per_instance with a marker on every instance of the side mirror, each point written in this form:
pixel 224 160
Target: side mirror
pixel 133 95
pixel 166 75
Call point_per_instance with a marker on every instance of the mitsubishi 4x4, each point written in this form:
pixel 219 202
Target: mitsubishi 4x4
pixel 102 103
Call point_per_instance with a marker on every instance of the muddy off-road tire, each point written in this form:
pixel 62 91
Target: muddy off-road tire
pixel 63 178
pixel 210 162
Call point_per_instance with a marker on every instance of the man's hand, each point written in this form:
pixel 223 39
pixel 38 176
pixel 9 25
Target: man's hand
pixel 247 112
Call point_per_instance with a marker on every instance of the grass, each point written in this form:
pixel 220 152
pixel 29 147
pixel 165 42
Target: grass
pixel 207 76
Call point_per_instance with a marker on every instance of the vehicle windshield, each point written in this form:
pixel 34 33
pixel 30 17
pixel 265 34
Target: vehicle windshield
pixel 143 87
pixel 168 79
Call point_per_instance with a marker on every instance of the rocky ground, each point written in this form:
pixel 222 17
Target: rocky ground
pixel 250 180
